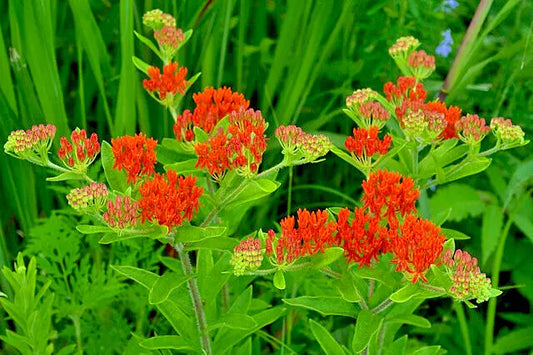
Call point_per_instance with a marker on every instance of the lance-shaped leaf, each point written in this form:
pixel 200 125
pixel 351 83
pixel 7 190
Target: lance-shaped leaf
pixel 192 234
pixel 173 342
pixel 327 342
pixel 325 305
pixel 165 285
pixel 366 326
pixel 116 179
pixel 152 232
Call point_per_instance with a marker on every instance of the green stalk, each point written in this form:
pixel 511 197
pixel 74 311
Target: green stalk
pixel 289 201
pixel 459 310
pixel 195 298
pixel 491 312
pixel 465 50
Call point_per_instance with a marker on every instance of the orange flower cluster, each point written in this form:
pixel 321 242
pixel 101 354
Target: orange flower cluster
pixel 313 233
pixel 406 89
pixel 385 224
pixel 80 151
pixel 240 147
pixel 365 142
pixel 135 154
pixel 211 106
pixel 171 81
pixel 451 115
pixel 169 200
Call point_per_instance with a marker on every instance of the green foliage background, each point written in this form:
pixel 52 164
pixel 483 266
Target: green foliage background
pixel 69 63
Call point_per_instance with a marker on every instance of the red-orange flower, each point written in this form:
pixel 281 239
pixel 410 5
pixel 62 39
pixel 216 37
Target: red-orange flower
pixel 361 239
pixel 134 154
pixel 80 151
pixel 406 88
pixel 211 106
pixel 365 142
pixel 171 81
pixel 417 247
pixel 311 235
pixel 240 147
pixel 451 115
pixel 386 194
pixel 169 199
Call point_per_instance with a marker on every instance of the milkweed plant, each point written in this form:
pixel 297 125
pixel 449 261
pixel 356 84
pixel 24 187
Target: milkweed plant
pixel 381 258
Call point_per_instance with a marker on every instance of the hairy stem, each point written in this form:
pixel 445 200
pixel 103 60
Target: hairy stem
pixel 459 310
pixel 382 306
pixel 195 297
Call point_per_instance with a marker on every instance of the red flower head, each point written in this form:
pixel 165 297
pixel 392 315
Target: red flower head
pixel 313 233
pixel 169 199
pixel 212 105
pixel 471 129
pixel 121 212
pixel 451 115
pixel 386 194
pixel 241 147
pixel 365 143
pixel 362 239
pixel 170 82
pixel 134 154
pixel 418 247
pixel 80 151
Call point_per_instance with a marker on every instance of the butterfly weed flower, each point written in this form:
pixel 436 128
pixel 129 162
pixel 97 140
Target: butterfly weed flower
pixel 366 112
pixel 157 19
pixel 507 134
pixel 212 105
pixel 290 138
pixel 406 88
pixel 421 64
pixel 468 282
pixel 168 84
pixel 247 256
pixel 169 39
pixel 417 246
pixel 89 198
pixel 471 129
pixel 451 114
pixel 134 154
pixel 445 46
pixel 122 212
pixel 387 194
pixel 308 234
pixel 314 146
pixel 365 146
pixel 169 199
pixel 80 151
pixel 32 144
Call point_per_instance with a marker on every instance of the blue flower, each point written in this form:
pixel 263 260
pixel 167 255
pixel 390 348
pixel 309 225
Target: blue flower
pixel 445 47
pixel 448 5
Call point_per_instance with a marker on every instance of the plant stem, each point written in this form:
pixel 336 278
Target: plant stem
pixel 290 191
pixel 497 263
pixel 382 306
pixel 464 52
pixel 195 298
pixel 459 310
pixel 77 327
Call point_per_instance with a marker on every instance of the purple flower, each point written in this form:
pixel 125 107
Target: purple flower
pixel 448 5
pixel 445 47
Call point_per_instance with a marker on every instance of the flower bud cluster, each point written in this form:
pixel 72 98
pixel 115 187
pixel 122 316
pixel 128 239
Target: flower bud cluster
pixel 247 256
pixel 295 141
pixel 89 197
pixel 369 113
pixel 468 282
pixel 314 147
pixel 290 138
pixel 122 212
pixel 471 129
pixel 80 151
pixel 360 97
pixel 421 64
pixel 506 132
pixel 404 46
pixel 33 143
pixel 169 37
pixel 156 19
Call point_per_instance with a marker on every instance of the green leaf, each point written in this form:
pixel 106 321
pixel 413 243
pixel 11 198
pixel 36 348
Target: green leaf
pixel 192 234
pixel 239 321
pixel 200 135
pixel 183 167
pixel 519 181
pixel 116 179
pixel 515 340
pixel 413 290
pixel 279 280
pixel 411 319
pixel 218 243
pixel 329 256
pixel 254 190
pixel 490 230
pixel 366 327
pixel 344 156
pixel 329 344
pixel 462 199
pixel 90 229
pixel 325 305
pixel 143 277
pixel 140 64
pixel 494 292
pixel 149 44
pixel 398 347
pixel 347 288
pixel 152 232
pixel 453 234
pixel 466 168
pixel 165 285
pixel 428 350
pixel 174 342
pixel 70 175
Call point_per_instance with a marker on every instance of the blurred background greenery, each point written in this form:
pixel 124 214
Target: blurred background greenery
pixel 69 63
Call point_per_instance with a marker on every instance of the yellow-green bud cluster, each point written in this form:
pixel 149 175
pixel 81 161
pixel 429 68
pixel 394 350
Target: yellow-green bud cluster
pixel 157 19
pixel 506 132
pixel 247 256
pixel 471 129
pixel 315 146
pixel 89 197
pixel 360 97
pixel 404 46
pixel 34 142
